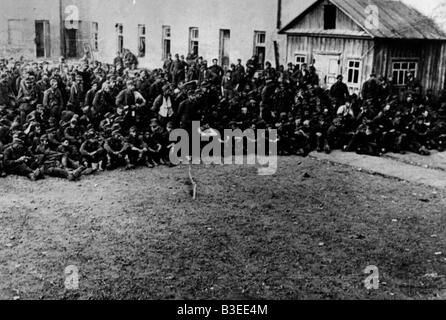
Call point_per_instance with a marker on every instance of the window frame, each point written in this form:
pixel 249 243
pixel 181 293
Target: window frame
pixel 194 41
pixel 16 42
pixel 119 34
pixel 357 65
pixel 166 38
pixel 258 44
pixel 95 35
pixel 257 35
pixel 397 80
pixel 142 36
pixel 300 63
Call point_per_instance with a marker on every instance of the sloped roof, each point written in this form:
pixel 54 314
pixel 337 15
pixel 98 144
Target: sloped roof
pixel 396 20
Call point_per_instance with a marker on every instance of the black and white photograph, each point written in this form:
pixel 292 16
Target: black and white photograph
pixel 223 150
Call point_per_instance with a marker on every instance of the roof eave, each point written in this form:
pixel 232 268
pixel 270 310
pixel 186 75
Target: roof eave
pixel 346 36
pixel 411 39
pixel 295 20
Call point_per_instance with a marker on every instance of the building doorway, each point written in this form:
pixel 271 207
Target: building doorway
pixel 71 43
pixel 42 40
pixel 225 37
pixel 327 67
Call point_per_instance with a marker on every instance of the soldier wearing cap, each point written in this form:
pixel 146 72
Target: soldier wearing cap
pixel 27 97
pixel 385 89
pixel 51 162
pixel 370 88
pixel 207 75
pixel 73 133
pixel 193 72
pixel 269 74
pixel 161 135
pixel 77 95
pixel 178 70
pixel 167 66
pixel 89 97
pixel 103 101
pixel 116 148
pixel 93 155
pixel 227 85
pixel 187 111
pixel 19 161
pixel 239 74
pixel 130 99
pixel 217 70
pixel 127 96
pixel 52 99
pixel 153 148
pixel 137 149
pixel 162 106
pixel 339 91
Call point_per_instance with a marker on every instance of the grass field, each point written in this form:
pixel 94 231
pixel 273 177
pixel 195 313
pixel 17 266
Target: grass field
pixel 306 233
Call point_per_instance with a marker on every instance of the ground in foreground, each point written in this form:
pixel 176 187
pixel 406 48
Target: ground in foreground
pixel 306 233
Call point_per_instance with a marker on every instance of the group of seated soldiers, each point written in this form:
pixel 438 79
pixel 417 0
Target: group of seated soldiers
pixel 68 120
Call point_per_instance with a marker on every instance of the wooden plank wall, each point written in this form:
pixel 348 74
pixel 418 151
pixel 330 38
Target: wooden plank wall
pixel 315 20
pixel 362 49
pixel 431 57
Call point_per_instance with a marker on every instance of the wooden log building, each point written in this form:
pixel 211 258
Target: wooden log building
pixel 358 37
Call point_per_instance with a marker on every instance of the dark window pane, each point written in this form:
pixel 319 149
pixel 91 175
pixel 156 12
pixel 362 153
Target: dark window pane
pixel 142 46
pixel 356 79
pixel 402 77
pixel 350 75
pixel 329 17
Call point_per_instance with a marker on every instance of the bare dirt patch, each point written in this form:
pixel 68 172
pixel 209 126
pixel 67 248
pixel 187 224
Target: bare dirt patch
pixel 308 232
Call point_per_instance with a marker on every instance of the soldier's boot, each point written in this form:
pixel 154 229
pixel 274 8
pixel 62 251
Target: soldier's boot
pixel 32 177
pixel 320 147
pixel 2 172
pixel 101 166
pixel 88 172
pixel 149 164
pixel 95 166
pixel 109 165
pixel 327 148
pixel 423 151
pixel 39 173
pixel 76 174
pixel 129 165
pixel 58 173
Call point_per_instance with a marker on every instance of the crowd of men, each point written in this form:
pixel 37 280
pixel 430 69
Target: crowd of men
pixel 68 120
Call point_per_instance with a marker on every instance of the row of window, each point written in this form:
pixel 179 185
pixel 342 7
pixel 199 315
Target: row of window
pixel 400 69
pixel 194 41
pixel 353 69
pixel 16 38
